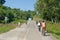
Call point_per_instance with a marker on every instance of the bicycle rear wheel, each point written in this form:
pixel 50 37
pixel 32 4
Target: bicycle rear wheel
pixel 43 32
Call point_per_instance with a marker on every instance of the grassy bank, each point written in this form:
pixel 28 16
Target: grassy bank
pixel 12 25
pixel 54 28
pixel 6 27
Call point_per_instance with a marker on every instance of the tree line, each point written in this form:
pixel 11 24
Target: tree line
pixel 49 9
pixel 13 13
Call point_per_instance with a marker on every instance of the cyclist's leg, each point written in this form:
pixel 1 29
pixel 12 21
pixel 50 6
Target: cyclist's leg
pixel 39 28
pixel 43 31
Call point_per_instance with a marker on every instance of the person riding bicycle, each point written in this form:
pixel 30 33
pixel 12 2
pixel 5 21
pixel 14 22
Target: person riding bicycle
pixel 43 25
pixel 39 25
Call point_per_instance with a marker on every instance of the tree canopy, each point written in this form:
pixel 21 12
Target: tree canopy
pixel 14 14
pixel 2 2
pixel 49 9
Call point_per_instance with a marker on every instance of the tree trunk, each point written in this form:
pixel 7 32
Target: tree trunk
pixel 52 20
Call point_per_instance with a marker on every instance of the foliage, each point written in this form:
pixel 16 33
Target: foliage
pixel 2 2
pixel 49 9
pixel 14 14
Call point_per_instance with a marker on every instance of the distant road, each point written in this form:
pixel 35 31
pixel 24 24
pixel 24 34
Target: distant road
pixel 27 31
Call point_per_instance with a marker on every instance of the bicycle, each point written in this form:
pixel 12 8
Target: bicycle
pixel 43 32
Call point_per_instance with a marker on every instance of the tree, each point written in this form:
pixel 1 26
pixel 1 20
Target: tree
pixel 48 9
pixel 14 14
pixel 2 2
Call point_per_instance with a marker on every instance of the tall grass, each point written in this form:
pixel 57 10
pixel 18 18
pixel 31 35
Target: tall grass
pixel 6 27
pixel 54 28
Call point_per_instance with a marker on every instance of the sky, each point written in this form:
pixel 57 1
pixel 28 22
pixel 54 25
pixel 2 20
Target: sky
pixel 22 4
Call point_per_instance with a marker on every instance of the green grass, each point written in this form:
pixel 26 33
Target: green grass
pixel 54 28
pixel 20 20
pixel 6 27
pixel 12 25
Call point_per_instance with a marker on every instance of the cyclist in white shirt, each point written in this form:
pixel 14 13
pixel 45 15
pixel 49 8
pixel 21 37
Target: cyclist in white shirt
pixel 39 24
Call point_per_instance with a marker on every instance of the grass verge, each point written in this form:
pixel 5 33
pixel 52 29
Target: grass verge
pixel 12 25
pixel 20 20
pixel 54 28
pixel 6 27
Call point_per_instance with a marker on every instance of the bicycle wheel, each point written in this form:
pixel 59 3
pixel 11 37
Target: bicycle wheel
pixel 43 32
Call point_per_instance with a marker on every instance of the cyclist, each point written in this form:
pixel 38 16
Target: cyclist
pixel 39 25
pixel 43 25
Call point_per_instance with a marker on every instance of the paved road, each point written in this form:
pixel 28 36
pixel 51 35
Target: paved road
pixel 27 31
